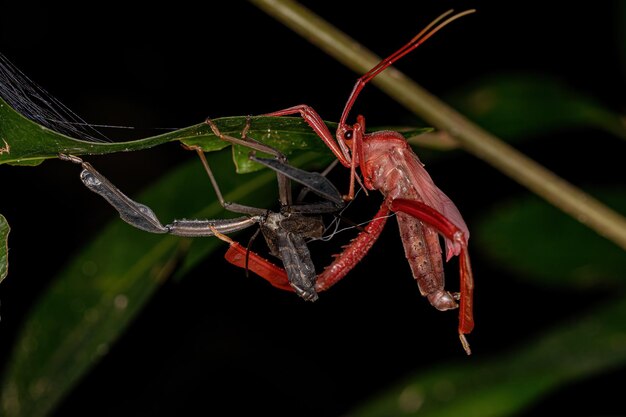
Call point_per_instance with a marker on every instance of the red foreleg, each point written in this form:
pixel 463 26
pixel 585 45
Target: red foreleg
pixel 339 268
pixel 353 252
pixel 450 231
pixel 314 120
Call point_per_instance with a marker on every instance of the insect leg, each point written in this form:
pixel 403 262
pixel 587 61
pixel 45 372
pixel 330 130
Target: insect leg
pixel 354 252
pixel 133 213
pixel 284 187
pixel 244 258
pixel 314 181
pixel 142 217
pixel 432 217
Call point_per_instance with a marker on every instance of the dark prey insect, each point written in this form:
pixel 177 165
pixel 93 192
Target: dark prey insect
pixel 285 232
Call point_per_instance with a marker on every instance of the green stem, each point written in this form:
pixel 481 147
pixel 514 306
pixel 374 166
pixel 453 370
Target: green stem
pixel 472 138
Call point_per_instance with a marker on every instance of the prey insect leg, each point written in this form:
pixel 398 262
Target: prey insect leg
pixel 142 217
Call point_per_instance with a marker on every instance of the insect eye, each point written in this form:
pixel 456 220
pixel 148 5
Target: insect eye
pixel 347 135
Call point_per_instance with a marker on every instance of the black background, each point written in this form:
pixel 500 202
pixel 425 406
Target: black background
pixel 238 343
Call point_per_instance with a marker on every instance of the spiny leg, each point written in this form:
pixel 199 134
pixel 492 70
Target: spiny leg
pixel 354 252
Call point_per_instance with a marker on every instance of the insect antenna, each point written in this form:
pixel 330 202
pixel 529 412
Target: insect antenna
pixel 417 40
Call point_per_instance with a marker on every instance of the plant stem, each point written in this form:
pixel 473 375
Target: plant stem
pixel 472 138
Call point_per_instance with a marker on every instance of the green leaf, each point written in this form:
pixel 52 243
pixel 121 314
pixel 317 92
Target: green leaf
pixel 537 242
pixel 518 105
pixel 28 143
pixel 95 297
pixel 24 142
pixel 4 247
pixel 502 385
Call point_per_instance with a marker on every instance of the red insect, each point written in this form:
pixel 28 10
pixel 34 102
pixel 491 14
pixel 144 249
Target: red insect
pixel 388 164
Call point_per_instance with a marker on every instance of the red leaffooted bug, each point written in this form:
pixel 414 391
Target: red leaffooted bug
pixel 388 164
